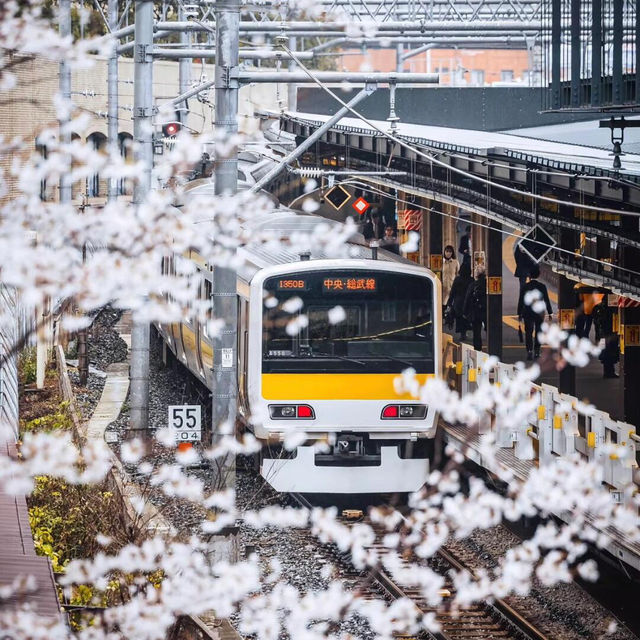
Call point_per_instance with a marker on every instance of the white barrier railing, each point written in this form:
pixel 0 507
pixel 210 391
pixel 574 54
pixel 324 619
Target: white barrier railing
pixel 559 425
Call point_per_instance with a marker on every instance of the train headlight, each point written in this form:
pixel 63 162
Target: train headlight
pixel 291 412
pixel 404 411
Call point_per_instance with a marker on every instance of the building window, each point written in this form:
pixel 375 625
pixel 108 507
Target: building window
pixel 506 75
pixel 98 142
pixel 477 77
pixel 125 141
pixel 41 149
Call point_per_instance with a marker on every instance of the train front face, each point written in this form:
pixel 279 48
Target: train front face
pixel 335 336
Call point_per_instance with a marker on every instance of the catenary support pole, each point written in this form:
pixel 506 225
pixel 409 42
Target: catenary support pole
pixel 311 140
pixel 112 98
pixel 143 151
pixel 223 292
pixel 184 67
pixel 65 188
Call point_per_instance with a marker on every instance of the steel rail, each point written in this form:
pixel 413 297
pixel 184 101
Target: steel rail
pixel 505 612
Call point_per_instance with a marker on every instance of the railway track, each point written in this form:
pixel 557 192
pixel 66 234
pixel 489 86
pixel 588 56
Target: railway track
pixel 482 621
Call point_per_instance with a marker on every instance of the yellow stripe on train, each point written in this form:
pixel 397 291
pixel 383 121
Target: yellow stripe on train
pixel 333 386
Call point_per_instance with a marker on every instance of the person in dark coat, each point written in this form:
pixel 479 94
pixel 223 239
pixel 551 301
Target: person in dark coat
pixel 525 264
pixel 475 305
pixel 610 354
pixel 533 318
pixel 455 303
pixel 464 249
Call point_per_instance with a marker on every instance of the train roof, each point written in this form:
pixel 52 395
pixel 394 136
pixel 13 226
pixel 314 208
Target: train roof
pixel 285 223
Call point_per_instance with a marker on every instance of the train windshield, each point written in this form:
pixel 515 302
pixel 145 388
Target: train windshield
pixel 348 322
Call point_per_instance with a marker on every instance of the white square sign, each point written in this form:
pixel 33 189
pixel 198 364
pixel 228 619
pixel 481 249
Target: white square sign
pixel 186 421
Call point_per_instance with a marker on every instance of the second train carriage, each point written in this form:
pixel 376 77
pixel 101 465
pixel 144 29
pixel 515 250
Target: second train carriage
pixel 332 380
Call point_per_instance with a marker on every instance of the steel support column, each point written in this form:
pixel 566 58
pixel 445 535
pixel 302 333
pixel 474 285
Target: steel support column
pixel 292 89
pixel 494 286
pixel 631 368
pixel 143 153
pixel 566 313
pixel 556 37
pixel 434 218
pixel 112 99
pixel 575 53
pixel 618 92
pixel 224 299
pixel 64 17
pixel 596 52
pixel 184 68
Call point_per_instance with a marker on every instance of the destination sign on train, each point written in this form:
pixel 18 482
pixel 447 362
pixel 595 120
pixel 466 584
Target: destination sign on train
pixel 348 284
pixel 292 284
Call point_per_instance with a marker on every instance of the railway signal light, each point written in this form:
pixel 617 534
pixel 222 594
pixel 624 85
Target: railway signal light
pixel 171 129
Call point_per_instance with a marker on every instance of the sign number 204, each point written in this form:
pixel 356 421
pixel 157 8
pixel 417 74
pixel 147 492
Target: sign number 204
pixel 186 421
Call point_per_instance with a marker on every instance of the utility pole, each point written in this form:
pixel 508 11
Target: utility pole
pixel 112 97
pixel 65 188
pixel 143 152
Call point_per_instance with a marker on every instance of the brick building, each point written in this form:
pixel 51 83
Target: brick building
pixel 457 67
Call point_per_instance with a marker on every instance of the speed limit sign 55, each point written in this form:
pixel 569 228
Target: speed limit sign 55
pixel 186 421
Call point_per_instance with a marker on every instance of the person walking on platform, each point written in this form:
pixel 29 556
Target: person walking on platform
pixel 608 338
pixel 528 311
pixel 450 269
pixel 525 264
pixel 455 303
pixel 475 305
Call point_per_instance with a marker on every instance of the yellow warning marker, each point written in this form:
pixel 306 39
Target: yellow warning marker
pixel 472 375
pixel 591 439
pixel 542 412
pixel 557 422
pixel 459 368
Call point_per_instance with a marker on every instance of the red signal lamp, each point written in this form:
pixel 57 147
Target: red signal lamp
pixel 171 128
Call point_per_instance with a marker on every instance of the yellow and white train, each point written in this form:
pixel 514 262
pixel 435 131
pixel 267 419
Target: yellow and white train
pixel 333 381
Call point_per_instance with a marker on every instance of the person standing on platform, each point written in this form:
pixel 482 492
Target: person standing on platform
pixel 525 264
pixel 464 249
pixel 389 241
pixel 475 305
pixel 588 299
pixel 608 338
pixel 528 311
pixel 450 269
pixel 455 303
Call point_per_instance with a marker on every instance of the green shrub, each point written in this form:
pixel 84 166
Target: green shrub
pixel 27 365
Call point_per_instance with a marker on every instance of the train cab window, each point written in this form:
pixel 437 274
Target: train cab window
pixel 386 323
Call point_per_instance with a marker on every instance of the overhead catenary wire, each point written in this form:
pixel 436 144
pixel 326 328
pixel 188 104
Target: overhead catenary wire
pixel 430 157
pixel 365 186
